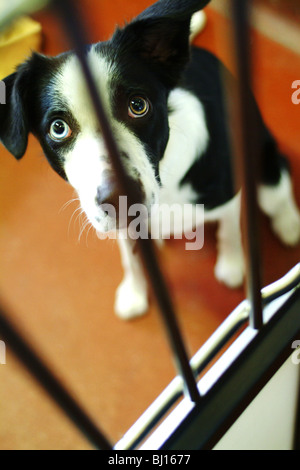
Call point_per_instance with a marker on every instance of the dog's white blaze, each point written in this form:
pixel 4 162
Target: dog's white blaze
pixel 73 86
pixel 86 162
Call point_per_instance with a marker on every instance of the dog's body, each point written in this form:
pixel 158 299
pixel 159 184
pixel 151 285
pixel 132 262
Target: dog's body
pixel 170 124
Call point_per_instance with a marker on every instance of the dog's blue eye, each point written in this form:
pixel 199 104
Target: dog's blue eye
pixel 59 130
pixel 138 107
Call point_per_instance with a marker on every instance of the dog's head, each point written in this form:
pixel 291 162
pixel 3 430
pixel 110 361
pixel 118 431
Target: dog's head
pixel 135 72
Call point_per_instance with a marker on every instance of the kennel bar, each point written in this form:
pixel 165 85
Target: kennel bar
pixel 234 381
pixel 223 334
pixel 247 148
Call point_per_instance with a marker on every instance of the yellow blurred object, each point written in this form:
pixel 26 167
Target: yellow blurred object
pixel 17 43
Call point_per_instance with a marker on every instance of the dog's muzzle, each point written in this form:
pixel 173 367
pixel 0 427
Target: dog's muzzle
pixel 112 201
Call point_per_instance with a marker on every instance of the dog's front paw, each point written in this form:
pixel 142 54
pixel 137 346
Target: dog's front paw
pixel 230 270
pixel 131 298
pixel 286 225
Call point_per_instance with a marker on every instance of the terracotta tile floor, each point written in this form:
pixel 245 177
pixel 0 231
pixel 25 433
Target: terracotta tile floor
pixel 60 290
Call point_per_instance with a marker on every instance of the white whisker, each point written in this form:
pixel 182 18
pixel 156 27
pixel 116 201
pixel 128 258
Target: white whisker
pixel 87 233
pixel 86 222
pixel 77 210
pixel 68 203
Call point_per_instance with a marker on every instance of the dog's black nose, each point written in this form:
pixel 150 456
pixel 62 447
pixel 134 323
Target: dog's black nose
pixel 108 192
pixel 109 198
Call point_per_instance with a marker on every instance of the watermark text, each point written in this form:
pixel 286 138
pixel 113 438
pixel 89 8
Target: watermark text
pixel 296 93
pixel 2 353
pixel 296 353
pixel 160 222
pixel 2 92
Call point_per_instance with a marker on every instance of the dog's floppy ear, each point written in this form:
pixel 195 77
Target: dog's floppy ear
pixel 14 126
pixel 160 36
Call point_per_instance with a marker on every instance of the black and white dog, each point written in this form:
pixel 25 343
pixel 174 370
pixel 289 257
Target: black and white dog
pixel 165 106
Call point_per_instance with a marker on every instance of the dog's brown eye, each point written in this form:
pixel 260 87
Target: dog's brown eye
pixel 59 130
pixel 138 107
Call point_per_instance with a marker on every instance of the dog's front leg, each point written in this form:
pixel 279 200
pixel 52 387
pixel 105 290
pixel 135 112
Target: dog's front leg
pixel 230 266
pixel 131 296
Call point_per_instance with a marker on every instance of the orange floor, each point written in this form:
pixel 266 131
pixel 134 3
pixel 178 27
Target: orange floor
pixel 60 289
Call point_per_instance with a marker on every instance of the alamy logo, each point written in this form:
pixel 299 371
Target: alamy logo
pixel 2 353
pixel 296 94
pixel 160 222
pixel 296 353
pixel 2 93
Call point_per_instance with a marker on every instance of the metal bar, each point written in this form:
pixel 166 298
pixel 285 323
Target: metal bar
pixel 151 416
pixel 51 384
pixel 202 358
pixel 70 18
pixel 247 157
pixel 283 285
pixel 174 390
pixel 258 356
